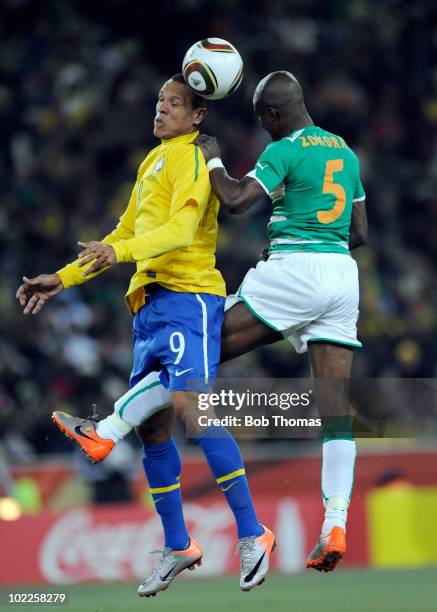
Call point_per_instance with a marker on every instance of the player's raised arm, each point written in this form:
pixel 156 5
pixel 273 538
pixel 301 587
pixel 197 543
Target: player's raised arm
pixel 236 196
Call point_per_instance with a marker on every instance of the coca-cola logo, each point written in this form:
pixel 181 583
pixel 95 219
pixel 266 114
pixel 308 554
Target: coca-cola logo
pixel 84 545
pixel 81 547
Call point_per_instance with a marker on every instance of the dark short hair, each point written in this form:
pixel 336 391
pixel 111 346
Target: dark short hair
pixel 196 101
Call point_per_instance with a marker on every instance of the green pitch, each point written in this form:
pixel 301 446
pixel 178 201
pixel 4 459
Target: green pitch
pixel 341 591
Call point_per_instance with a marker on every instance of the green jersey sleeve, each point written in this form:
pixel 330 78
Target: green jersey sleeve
pixel 272 166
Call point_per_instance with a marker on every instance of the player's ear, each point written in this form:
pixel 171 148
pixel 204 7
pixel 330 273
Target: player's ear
pixel 199 115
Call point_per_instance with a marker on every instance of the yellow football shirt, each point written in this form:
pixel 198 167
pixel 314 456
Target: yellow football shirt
pixel 169 228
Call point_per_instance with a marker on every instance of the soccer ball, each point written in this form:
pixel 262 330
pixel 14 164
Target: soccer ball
pixel 213 68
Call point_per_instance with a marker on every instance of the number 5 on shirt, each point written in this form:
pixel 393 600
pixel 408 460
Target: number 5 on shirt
pixel 330 186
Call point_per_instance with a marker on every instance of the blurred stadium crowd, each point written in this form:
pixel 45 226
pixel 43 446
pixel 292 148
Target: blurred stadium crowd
pixel 78 85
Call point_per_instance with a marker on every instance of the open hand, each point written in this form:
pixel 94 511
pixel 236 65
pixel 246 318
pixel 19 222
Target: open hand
pixel 209 146
pixel 34 292
pixel 102 255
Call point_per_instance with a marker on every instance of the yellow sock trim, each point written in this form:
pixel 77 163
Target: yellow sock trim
pixel 165 489
pixel 231 475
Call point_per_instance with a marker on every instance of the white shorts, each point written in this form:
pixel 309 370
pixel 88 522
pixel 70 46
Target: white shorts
pixel 305 296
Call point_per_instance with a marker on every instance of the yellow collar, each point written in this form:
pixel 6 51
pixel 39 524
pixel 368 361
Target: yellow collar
pixel 183 138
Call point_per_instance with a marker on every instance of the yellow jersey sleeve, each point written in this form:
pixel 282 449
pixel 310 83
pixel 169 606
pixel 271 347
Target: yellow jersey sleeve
pixel 72 275
pixel 191 189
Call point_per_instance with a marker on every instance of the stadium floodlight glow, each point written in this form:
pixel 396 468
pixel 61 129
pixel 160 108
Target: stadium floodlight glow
pixel 10 509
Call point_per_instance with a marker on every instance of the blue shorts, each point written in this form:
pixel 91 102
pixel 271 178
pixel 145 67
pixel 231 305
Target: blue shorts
pixel 179 334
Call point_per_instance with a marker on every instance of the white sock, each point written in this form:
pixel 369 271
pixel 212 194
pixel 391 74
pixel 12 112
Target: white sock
pixel 113 428
pixel 135 406
pixel 337 480
pixel 335 514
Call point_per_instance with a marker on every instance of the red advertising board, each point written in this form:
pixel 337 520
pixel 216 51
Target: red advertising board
pixel 112 543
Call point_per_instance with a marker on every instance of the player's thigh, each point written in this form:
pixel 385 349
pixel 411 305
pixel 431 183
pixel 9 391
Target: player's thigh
pixel 242 332
pixel 330 368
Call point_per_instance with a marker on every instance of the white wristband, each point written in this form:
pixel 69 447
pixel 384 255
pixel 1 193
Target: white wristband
pixel 214 163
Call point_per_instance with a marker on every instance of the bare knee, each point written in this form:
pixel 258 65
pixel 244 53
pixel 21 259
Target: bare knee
pixel 157 429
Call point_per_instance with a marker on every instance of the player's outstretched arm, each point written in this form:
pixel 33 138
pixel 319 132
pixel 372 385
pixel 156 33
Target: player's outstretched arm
pixel 34 292
pixel 358 229
pixel 237 196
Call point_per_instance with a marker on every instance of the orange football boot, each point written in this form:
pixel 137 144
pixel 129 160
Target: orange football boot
pixel 84 432
pixel 328 551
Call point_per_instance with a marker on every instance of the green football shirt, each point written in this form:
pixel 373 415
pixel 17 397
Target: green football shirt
pixel 313 178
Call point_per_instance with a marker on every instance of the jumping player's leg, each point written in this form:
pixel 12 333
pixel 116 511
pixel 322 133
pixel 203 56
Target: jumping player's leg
pixel 226 464
pixel 331 366
pixel 225 461
pixel 188 349
pixel 222 453
pixel 241 332
pixel 162 466
pixel 224 458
